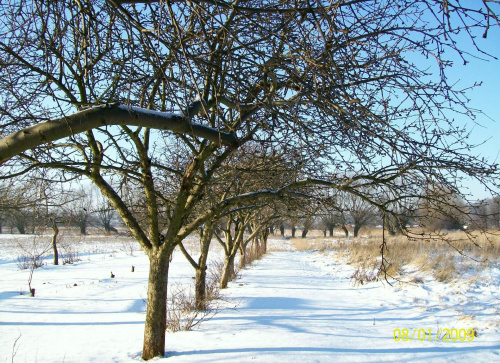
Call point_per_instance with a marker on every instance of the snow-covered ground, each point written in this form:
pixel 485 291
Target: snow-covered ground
pixel 290 306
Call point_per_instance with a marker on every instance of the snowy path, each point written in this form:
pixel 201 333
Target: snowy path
pixel 295 306
pixel 292 306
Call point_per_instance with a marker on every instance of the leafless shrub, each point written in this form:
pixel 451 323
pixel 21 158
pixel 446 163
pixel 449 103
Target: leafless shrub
pixel 252 255
pixel 182 314
pixel 362 276
pixel 70 253
pixel 70 258
pixel 212 289
pixel 25 262
pixel 15 348
pixel 216 268
pixel 129 247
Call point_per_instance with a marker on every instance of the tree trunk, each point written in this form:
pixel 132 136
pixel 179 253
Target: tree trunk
pixel 83 229
pixel 107 227
pixel 54 242
pixel 21 229
pixel 264 243
pixel 304 233
pixel 228 272
pixel 293 232
pixel 346 231
pixel 243 256
pixel 156 309
pixel 201 269
pixel 356 230
pixel 282 230
pixel 200 289
pixel 330 228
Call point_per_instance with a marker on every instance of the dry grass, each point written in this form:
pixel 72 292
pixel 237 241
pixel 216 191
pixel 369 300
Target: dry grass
pixel 312 243
pixel 446 258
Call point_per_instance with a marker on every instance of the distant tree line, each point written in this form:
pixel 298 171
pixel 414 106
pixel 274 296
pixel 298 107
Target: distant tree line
pixel 30 205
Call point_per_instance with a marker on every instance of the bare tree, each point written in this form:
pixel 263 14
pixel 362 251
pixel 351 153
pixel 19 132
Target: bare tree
pixel 156 96
pixel 307 224
pixel 360 211
pixel 329 221
pixel 451 214
pixel 494 212
pixel 105 213
pixel 80 209
pixel 206 233
pixel 259 227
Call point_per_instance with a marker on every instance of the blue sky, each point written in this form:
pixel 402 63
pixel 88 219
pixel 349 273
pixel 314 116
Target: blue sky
pixel 486 98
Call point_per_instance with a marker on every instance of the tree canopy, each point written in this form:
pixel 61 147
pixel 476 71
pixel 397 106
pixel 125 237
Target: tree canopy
pixel 159 97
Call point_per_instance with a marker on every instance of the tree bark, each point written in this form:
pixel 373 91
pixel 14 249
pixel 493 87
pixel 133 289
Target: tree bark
pixel 330 228
pixel 20 228
pixel 346 231
pixel 98 116
pixel 282 230
pixel 228 272
pixel 263 246
pixel 156 310
pixel 201 268
pixel 54 242
pixel 255 248
pixel 83 229
pixel 293 232
pixel 200 289
pixel 304 233
pixel 201 277
pixel 356 230
pixel 243 256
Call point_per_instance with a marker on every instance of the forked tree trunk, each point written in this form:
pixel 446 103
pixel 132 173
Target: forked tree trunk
pixel 156 309
pixel 228 272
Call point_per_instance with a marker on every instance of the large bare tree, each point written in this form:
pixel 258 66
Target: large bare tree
pixel 156 96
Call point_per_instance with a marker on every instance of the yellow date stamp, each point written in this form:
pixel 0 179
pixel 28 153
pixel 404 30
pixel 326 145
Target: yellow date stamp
pixel 444 335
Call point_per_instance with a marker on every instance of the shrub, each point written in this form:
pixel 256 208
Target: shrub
pixel 25 262
pixel 182 314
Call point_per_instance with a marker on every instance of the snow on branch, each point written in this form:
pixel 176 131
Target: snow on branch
pixel 106 115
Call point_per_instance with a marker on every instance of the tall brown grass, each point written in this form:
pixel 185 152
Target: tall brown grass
pixel 446 257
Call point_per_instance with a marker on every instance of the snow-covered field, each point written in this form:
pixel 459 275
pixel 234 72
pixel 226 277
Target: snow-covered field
pixel 290 306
